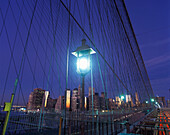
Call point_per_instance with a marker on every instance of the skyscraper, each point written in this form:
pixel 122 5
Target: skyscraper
pixel 51 103
pixel 35 99
pixel 128 98
pixel 102 101
pixel 60 103
pixel 90 91
pixel 96 103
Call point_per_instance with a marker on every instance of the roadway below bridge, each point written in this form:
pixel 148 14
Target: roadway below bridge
pixel 156 123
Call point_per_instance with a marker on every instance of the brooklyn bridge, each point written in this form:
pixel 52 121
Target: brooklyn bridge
pixel 74 68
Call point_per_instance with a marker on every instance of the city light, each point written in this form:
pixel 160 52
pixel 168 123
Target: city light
pixel 46 97
pixel 122 97
pixel 147 102
pixel 152 100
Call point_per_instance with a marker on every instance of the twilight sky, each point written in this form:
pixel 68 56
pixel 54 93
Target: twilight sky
pixel 44 66
pixel 151 24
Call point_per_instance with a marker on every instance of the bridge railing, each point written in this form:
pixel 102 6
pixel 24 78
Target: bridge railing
pixel 112 122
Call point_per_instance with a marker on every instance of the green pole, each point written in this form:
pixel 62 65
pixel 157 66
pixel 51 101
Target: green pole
pixel 7 115
pixel 92 95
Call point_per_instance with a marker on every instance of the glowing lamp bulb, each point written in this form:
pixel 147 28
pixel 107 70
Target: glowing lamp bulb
pixel 83 63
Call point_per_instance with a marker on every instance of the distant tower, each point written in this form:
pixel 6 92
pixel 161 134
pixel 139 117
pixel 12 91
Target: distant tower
pixel 137 98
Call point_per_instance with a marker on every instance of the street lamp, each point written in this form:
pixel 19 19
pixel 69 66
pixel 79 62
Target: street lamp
pixel 122 97
pixel 83 64
pixel 147 102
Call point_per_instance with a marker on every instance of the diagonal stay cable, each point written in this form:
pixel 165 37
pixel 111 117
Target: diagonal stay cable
pixel 11 58
pixel 42 47
pixel 4 17
pixel 137 46
pixel 25 47
pixel 130 45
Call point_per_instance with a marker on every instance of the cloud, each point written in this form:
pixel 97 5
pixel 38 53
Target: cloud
pixel 157 43
pixel 157 60
pixel 160 80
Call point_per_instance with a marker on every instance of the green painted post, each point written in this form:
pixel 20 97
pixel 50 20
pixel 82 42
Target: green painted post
pixel 8 109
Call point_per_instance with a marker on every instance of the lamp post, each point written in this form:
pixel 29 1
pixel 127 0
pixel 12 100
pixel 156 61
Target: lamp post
pixel 83 65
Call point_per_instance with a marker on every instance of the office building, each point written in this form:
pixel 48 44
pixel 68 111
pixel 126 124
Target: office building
pixel 161 101
pixel 35 101
pixel 96 102
pixel 102 101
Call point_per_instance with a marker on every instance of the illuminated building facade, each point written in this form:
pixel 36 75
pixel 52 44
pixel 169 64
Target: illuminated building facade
pixel 128 98
pixel 137 99
pixel 74 100
pixel 118 101
pixel 68 99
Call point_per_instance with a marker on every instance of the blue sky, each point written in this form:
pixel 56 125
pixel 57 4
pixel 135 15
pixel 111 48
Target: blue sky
pixel 151 24
pixel 149 20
